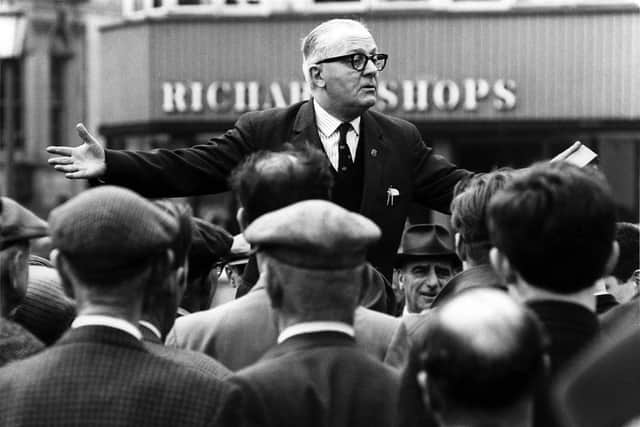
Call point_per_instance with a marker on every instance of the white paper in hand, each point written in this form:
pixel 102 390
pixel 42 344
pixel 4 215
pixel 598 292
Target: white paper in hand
pixel 582 157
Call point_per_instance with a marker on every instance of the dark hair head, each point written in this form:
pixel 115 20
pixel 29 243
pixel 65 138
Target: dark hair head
pixel 269 180
pixel 556 224
pixel 627 236
pixel 468 212
pixel 483 351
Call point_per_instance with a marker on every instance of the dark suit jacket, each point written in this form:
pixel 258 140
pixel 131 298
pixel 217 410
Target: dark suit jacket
pixel 101 376
pixel 571 328
pixel 320 379
pixel 601 390
pixel 239 332
pixel 192 359
pixel 16 342
pixel 394 156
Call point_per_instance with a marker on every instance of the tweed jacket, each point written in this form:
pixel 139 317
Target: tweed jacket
pixel 102 376
pixel 319 379
pixel 16 342
pixel 239 332
pixel 395 158
pixel 193 359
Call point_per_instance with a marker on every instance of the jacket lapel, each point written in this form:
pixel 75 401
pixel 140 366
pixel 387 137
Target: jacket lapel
pixel 374 155
pixel 305 130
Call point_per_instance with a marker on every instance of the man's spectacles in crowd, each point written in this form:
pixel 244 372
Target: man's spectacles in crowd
pixel 359 60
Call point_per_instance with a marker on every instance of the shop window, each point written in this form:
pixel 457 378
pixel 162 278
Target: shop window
pixel 57 95
pixel 11 103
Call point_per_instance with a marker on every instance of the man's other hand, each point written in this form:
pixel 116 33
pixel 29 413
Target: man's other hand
pixel 84 161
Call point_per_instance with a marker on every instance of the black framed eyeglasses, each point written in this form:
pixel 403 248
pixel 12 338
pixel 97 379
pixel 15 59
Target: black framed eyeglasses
pixel 359 60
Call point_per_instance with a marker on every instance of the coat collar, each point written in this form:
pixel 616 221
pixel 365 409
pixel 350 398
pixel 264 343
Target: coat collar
pixel 309 341
pixel 100 335
pixel 374 150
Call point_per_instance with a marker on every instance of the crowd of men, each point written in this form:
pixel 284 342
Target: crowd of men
pixel 525 314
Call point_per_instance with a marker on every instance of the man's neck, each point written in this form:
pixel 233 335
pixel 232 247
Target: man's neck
pixel 343 116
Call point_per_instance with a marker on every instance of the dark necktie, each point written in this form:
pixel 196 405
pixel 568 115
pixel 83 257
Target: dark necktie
pixel 344 155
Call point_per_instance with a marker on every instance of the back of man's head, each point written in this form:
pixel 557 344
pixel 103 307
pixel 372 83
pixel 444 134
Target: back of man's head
pixel 628 238
pixel 110 239
pixel 267 181
pixel 555 224
pixel 469 218
pixel 313 254
pixel 482 354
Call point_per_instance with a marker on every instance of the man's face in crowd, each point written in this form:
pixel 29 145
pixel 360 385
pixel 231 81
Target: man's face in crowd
pixel 350 92
pixel 422 280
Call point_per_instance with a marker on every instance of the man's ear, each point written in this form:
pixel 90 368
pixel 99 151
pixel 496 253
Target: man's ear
pixel 54 256
pixel 400 276
pixel 316 76
pixel 241 217
pixel 613 258
pixel 460 247
pixel 272 286
pixel 502 266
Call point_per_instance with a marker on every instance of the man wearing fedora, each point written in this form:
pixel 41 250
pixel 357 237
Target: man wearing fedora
pixel 425 262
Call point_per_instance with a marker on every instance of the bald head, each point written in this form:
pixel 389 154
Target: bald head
pixel 483 340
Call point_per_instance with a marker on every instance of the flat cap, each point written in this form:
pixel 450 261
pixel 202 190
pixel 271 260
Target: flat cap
pixel 18 223
pixel 210 243
pixel 314 234
pixel 108 228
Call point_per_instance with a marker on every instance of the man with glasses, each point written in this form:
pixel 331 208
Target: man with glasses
pixel 380 163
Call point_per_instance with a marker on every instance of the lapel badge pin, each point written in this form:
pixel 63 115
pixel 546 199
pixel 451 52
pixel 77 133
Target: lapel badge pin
pixel 374 152
pixel 392 193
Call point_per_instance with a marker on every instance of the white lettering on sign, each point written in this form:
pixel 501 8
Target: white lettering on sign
pixel 410 96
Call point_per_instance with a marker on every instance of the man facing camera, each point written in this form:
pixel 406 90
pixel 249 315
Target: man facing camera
pixel 312 260
pixel 425 262
pixel 111 246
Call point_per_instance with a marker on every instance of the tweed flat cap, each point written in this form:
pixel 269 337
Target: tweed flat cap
pixel 19 223
pixel 314 234
pixel 108 228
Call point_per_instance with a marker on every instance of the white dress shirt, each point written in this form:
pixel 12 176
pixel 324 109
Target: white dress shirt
pixel 150 326
pixel 108 321
pixel 330 136
pixel 310 327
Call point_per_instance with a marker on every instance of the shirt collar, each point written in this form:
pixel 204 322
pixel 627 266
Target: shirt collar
pixel 108 321
pixel 311 327
pixel 328 124
pixel 150 326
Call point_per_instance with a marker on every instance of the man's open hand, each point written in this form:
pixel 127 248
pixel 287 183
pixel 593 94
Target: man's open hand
pixel 84 161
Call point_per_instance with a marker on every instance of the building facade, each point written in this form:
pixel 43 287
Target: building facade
pixel 48 77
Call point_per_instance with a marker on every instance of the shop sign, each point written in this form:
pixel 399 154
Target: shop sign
pixel 408 96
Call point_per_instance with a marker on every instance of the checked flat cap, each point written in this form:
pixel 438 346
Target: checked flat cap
pixel 314 234
pixel 110 227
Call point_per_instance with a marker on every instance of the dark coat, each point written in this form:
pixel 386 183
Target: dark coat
pixel 16 342
pixel 394 156
pixel 199 361
pixel 101 376
pixel 318 380
pixel 238 333
pixel 601 389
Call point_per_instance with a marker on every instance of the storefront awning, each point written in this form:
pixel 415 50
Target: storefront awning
pixel 12 33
